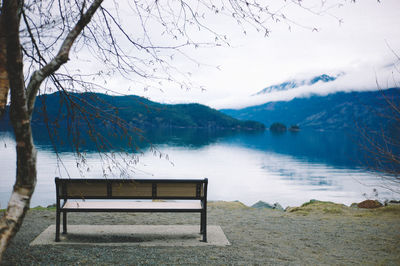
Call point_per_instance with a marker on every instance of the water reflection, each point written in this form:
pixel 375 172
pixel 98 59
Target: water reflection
pixel 288 168
pixel 143 139
pixel 340 149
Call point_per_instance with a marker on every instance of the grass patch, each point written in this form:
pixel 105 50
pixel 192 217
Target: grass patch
pixel 40 208
pixel 310 202
pixel 231 205
pixel 333 210
pixel 315 206
pixel 391 211
pixel 330 208
pixel 37 208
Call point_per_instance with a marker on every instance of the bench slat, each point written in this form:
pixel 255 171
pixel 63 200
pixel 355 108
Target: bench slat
pixel 81 189
pixel 131 189
pixel 131 205
pixel 176 190
pixel 86 189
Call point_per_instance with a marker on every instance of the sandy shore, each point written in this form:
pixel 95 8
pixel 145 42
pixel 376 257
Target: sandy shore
pixel 317 234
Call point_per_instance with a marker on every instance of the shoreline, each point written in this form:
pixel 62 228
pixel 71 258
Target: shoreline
pixel 314 234
pixel 277 206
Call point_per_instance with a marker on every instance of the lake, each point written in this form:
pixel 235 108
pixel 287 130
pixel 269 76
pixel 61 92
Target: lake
pixel 289 168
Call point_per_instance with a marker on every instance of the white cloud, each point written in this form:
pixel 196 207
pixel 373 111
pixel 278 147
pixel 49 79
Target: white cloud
pixel 355 78
pixel 357 47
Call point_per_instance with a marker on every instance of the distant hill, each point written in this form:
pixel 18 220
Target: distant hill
pixel 332 112
pixel 136 111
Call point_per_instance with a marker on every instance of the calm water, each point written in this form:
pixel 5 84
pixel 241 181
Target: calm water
pixel 289 168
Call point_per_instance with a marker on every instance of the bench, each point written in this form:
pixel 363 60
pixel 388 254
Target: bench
pixel 118 195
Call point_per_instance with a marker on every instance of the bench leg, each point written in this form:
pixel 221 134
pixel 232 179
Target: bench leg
pixel 203 225
pixel 58 226
pixel 201 222
pixel 64 222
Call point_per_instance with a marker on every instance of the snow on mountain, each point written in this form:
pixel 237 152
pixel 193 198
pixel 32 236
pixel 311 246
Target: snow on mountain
pixel 292 84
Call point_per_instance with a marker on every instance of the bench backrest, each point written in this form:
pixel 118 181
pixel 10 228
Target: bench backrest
pixel 131 188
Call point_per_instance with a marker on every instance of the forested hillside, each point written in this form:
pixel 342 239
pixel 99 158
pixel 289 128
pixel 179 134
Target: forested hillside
pixel 332 112
pixel 135 111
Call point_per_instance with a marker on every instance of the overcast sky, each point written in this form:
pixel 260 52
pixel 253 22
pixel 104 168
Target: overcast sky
pixel 359 48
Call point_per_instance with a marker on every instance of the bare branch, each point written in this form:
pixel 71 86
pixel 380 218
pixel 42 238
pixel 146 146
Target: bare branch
pixel 61 57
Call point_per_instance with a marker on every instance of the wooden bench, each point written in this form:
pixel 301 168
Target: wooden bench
pixel 78 195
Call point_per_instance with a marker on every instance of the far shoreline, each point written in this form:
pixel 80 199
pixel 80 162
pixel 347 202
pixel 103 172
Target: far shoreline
pixel 371 204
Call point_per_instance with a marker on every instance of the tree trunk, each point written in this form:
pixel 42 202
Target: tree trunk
pixel 24 184
pixel 22 105
pixel 4 85
pixel 21 120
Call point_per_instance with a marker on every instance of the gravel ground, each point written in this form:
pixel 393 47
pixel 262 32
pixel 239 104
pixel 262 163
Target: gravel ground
pixel 317 234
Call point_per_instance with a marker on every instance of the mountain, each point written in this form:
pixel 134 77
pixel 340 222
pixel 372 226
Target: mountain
pixel 332 112
pixel 292 84
pixel 136 111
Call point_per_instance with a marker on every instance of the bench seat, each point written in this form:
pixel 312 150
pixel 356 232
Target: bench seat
pixel 132 205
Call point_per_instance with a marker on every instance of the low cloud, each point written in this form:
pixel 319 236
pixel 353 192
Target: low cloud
pixel 357 78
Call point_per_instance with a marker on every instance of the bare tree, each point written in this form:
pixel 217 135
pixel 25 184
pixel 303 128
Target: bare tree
pixel 381 145
pixel 21 107
pixel 136 40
